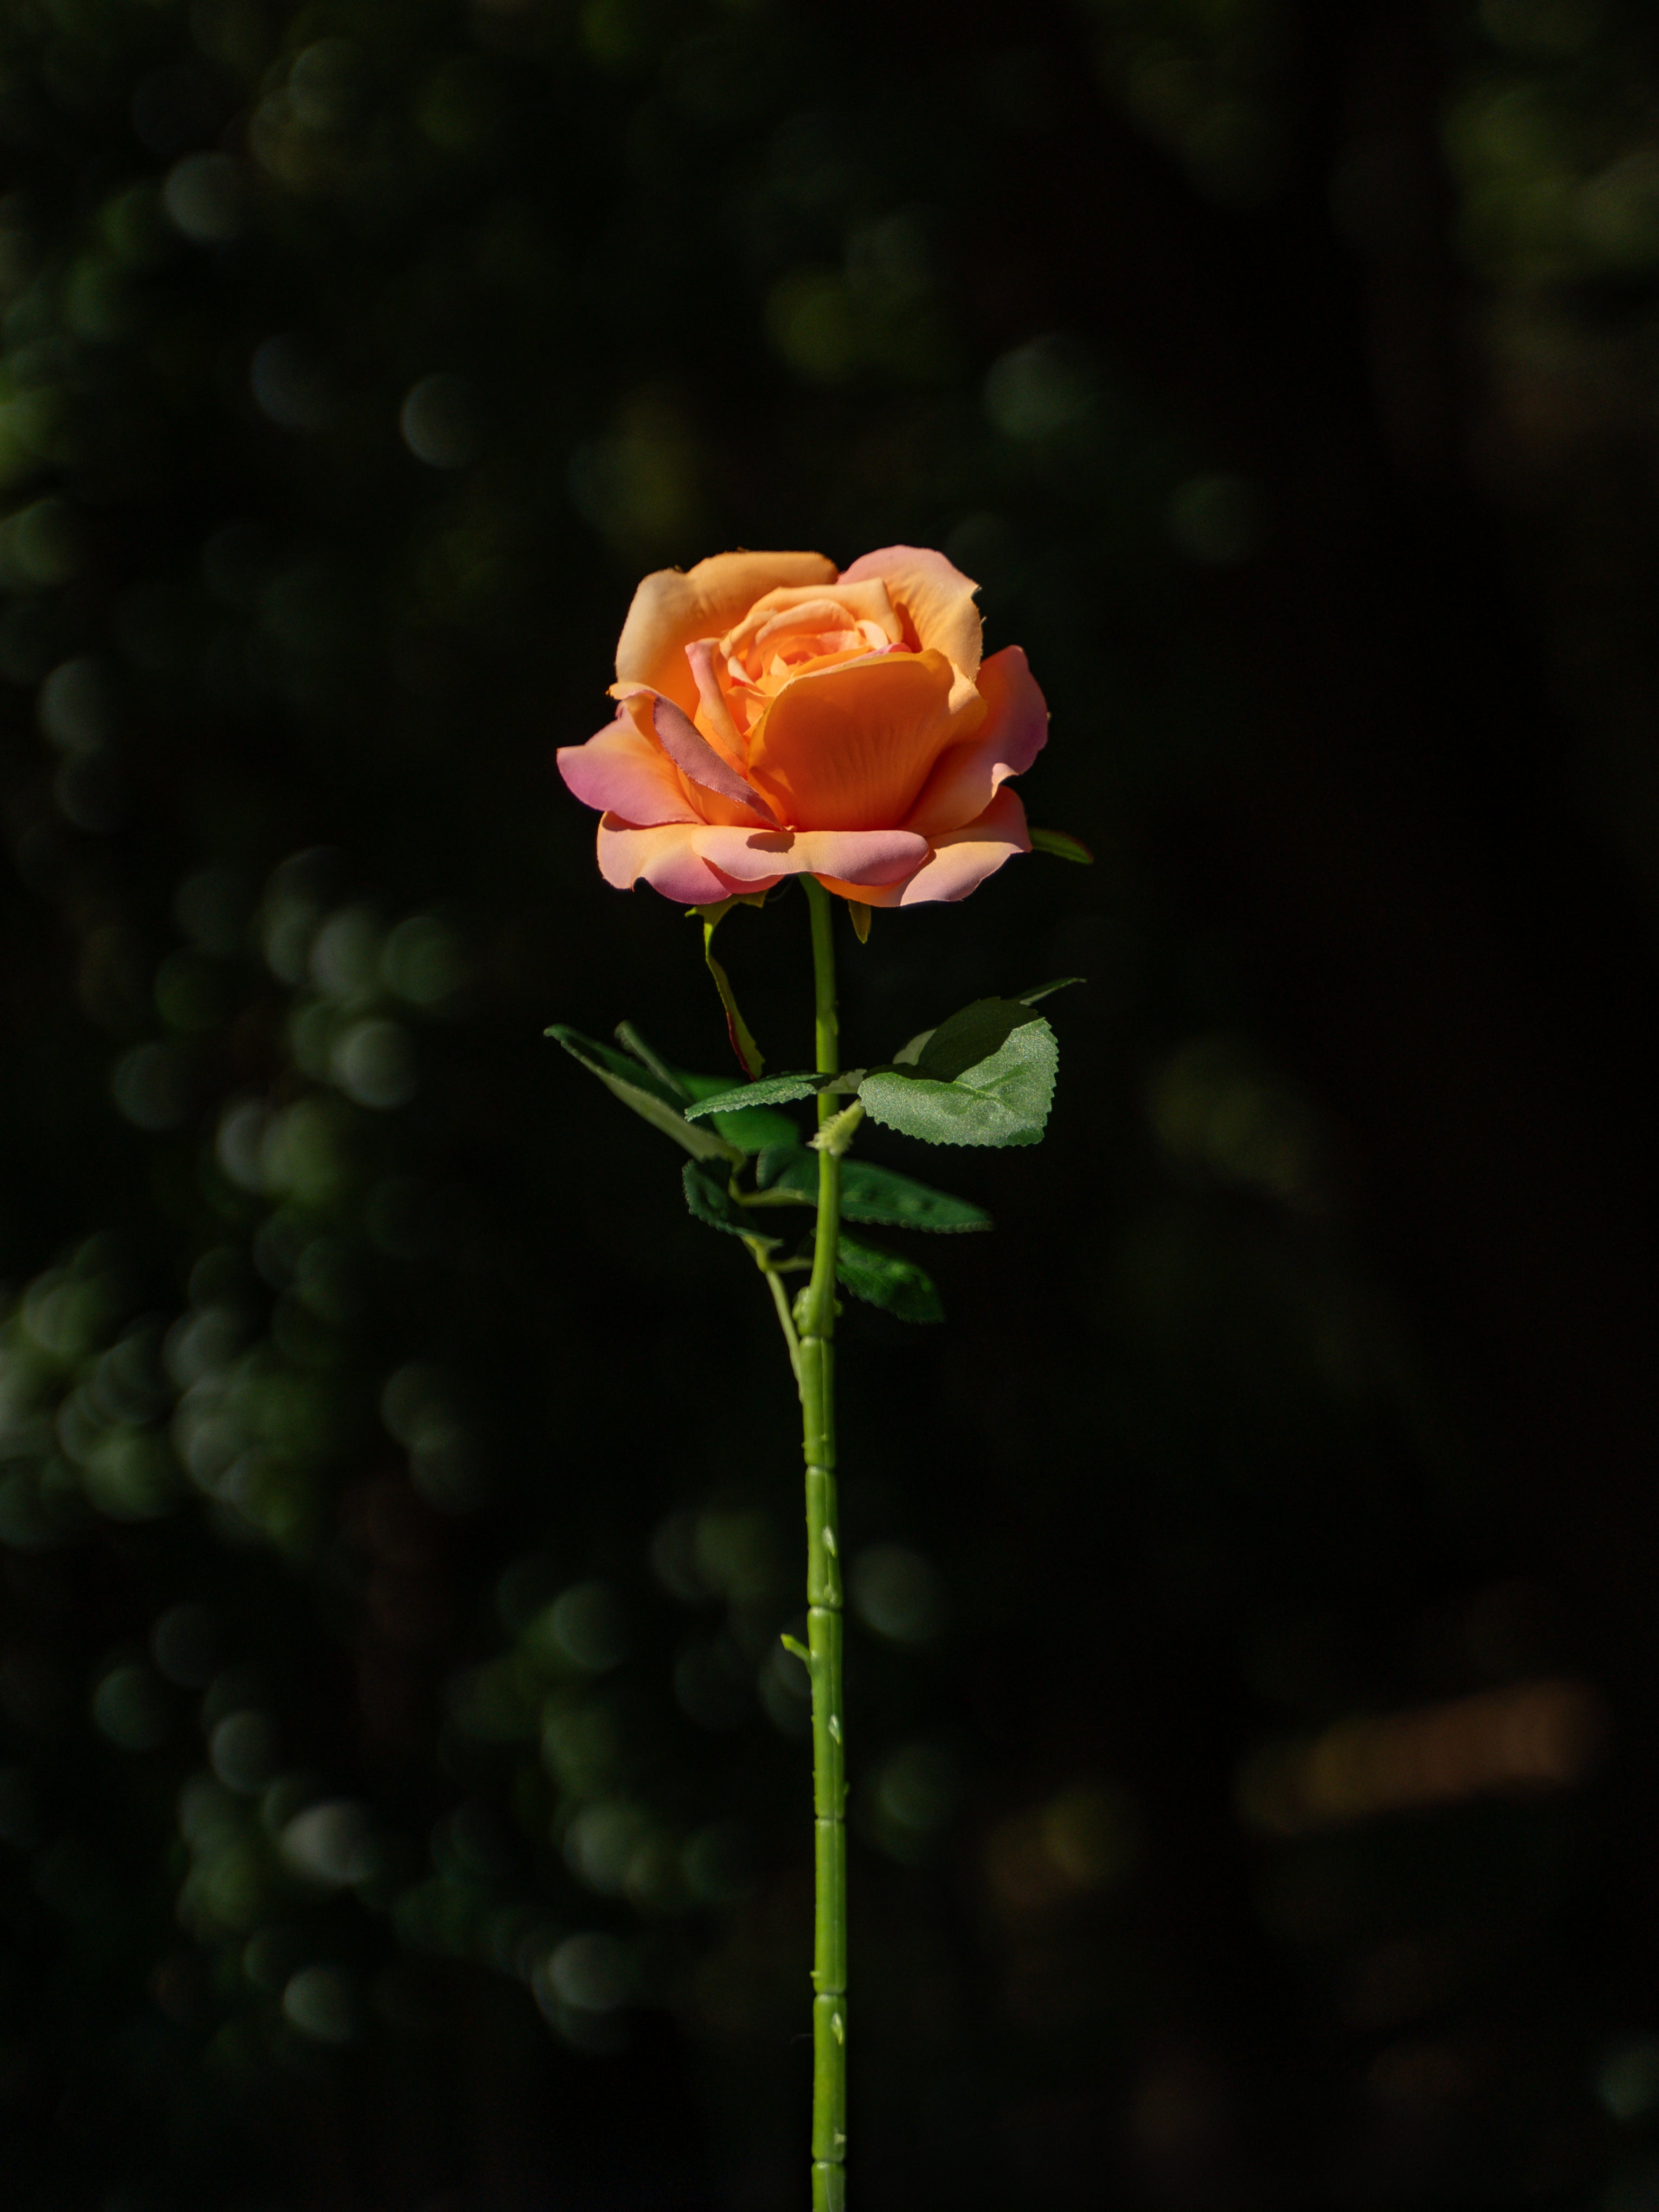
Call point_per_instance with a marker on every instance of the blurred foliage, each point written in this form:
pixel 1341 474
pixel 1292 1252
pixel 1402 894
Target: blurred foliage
pixel 403 1797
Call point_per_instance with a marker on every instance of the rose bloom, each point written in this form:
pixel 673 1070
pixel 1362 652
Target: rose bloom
pixel 774 719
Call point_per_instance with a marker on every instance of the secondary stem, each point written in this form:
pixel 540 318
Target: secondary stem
pixel 824 1617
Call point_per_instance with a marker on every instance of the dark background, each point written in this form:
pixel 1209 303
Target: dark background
pixel 403 1802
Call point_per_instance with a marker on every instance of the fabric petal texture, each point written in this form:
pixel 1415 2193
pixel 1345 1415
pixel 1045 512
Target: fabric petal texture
pixel 776 718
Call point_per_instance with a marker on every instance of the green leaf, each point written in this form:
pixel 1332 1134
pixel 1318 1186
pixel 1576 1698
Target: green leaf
pixel 776 1157
pixel 711 1204
pixel 1046 990
pixel 773 1090
pixel 603 1060
pixel 644 1092
pixel 1062 847
pixel 880 1194
pixel 970 1037
pixel 1003 1098
pixel 756 1128
pixel 885 1280
pixel 634 1044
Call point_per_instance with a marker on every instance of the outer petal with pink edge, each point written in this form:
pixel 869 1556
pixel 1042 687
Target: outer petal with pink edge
pixel 938 600
pixel 961 860
pixel 965 779
pixel 665 857
pixel 856 856
pixel 671 610
pixel 626 773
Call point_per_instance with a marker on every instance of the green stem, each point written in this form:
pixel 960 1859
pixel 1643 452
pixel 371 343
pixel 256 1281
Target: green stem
pixel 824 1617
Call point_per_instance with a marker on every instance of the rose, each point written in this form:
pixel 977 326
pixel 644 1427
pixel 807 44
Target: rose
pixel 774 719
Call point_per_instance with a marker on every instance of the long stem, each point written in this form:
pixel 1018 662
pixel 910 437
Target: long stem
pixel 824 1617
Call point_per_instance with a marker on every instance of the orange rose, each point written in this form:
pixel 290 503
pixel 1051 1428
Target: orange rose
pixel 776 720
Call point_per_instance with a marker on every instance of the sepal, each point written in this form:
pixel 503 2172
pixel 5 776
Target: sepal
pixel 749 1057
pixel 1062 846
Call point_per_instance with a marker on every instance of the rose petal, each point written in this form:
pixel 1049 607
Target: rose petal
pixel 699 802
pixel 960 861
pixel 938 598
pixel 1014 731
pixel 624 772
pixel 666 859
pixel 851 747
pixel 670 610
pixel 806 608
pixel 860 856
pixel 714 715
pixel 857 856
pixel 692 754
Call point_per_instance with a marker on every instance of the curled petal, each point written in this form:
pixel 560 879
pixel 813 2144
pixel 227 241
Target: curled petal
pixel 856 856
pixel 692 754
pixel 702 799
pixel 714 715
pixel 960 860
pixel 670 609
pixel 623 770
pixel 860 856
pixel 966 778
pixel 938 601
pixel 665 857
pixel 803 609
